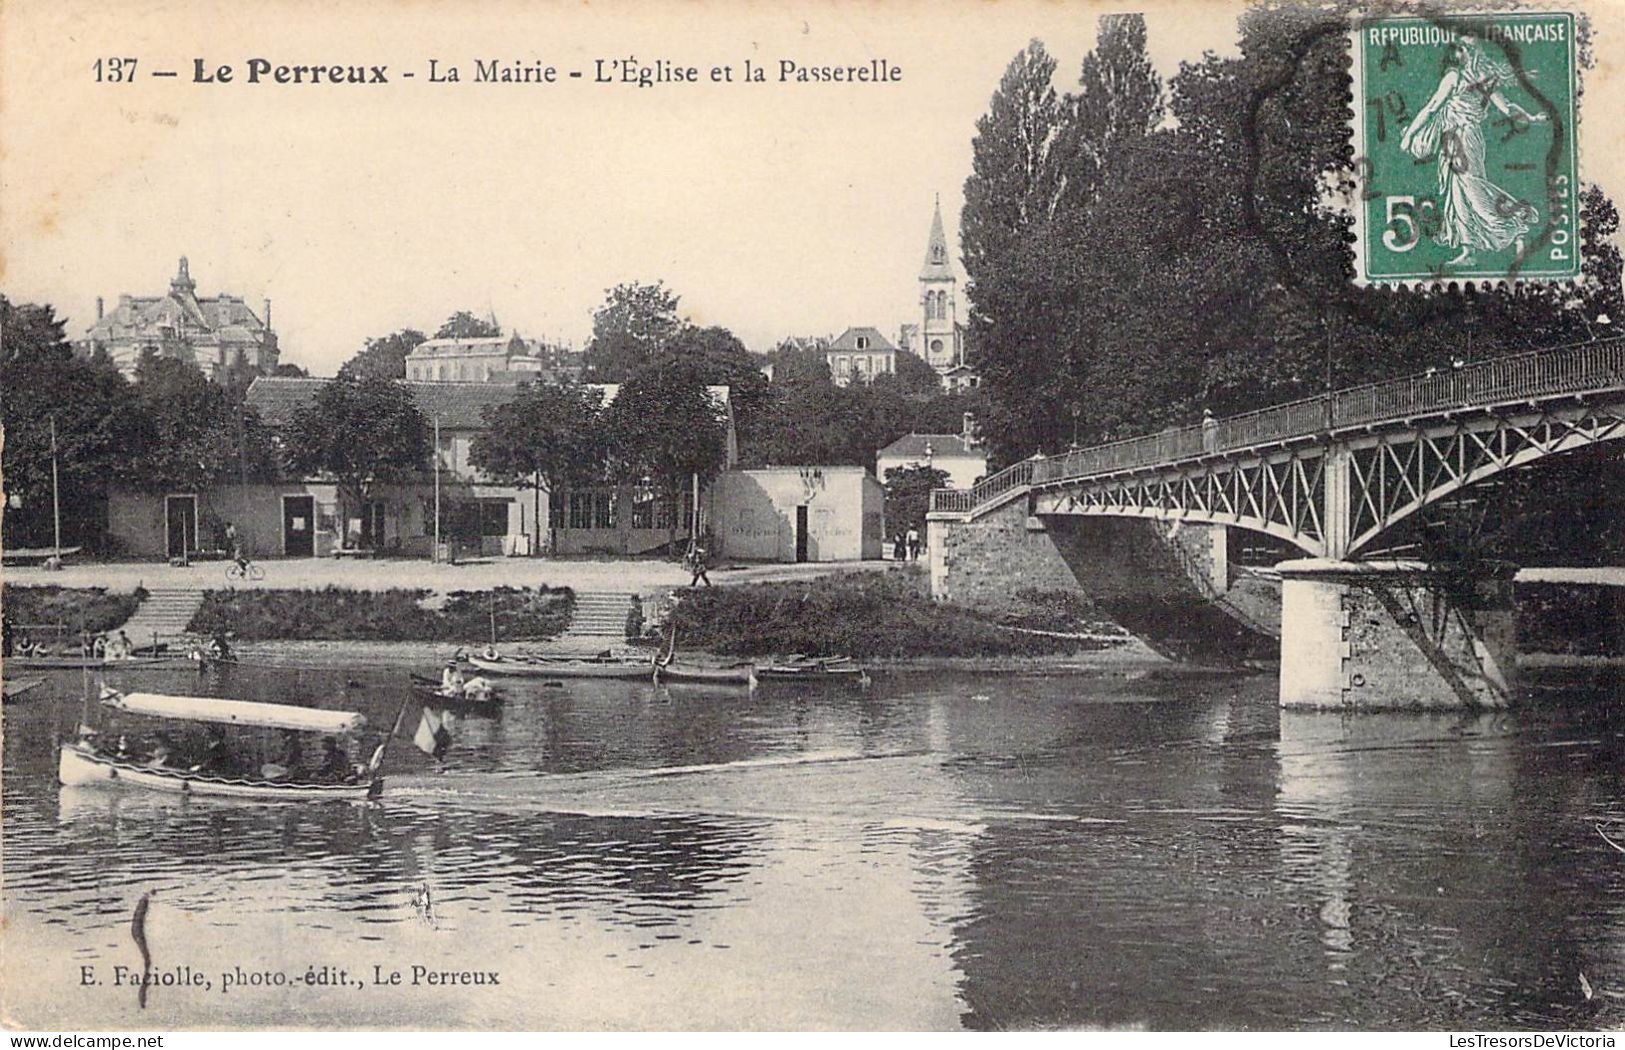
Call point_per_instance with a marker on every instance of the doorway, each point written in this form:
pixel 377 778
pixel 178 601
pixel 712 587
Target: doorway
pixel 801 533
pixel 372 525
pixel 299 526
pixel 180 525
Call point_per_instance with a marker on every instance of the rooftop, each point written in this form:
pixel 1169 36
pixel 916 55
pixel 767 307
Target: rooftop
pixel 848 340
pixel 912 446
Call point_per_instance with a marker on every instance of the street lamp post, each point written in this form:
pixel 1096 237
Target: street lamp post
pixel 436 555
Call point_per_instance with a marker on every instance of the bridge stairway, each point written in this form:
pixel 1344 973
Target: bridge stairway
pixel 164 615
pixel 598 622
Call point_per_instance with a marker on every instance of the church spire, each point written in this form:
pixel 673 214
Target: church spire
pixel 937 266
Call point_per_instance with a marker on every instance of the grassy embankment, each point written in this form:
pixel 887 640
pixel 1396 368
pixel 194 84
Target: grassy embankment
pixel 865 615
pixel 93 609
pixel 399 615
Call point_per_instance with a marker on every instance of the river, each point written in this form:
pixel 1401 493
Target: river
pixel 940 851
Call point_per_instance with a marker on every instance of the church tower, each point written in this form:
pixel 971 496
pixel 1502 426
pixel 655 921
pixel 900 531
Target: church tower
pixel 940 337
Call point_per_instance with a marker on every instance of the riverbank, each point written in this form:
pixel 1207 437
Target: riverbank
pixel 397 615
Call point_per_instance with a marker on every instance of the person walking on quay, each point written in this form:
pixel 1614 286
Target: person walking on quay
pixel 899 548
pixel 697 564
pixel 913 543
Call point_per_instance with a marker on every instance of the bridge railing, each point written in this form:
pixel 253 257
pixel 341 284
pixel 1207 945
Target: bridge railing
pixel 963 501
pixel 1539 373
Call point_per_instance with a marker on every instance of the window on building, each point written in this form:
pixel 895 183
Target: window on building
pixel 603 510
pixel 555 510
pixel 643 511
pixel 863 342
pixel 581 510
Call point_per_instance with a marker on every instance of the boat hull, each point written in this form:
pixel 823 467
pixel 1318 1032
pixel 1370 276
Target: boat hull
pixel 74 663
pixel 461 705
pixel 560 667
pixel 677 671
pixel 77 766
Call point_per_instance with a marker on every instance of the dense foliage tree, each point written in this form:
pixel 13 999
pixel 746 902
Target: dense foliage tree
pixel 663 427
pixel 912 377
pixel 385 356
pixel 634 323
pixel 549 437
pixel 718 356
pixel 289 370
pixel 464 325
pixel 361 432
pixel 101 432
pixel 1208 266
pixel 908 495
pixel 202 435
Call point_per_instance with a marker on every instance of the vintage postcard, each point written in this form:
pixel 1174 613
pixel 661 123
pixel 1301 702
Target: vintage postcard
pixel 819 516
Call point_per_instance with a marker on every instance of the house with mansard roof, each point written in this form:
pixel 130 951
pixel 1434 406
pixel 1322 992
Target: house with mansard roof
pixel 860 355
pixel 217 333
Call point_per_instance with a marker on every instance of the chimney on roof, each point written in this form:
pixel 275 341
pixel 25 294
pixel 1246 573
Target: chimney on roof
pixel 267 313
pixel 98 308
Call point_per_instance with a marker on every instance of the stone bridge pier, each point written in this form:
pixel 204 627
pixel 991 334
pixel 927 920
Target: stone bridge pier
pixel 1395 634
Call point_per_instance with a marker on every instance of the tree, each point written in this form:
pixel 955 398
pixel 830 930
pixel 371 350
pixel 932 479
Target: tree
pixel 634 323
pixel 464 325
pixel 908 495
pixel 664 427
pixel 100 428
pixel 549 437
pixel 386 355
pixel 361 432
pixel 800 359
pixel 202 435
pixel 289 370
pixel 912 377
pixel 718 357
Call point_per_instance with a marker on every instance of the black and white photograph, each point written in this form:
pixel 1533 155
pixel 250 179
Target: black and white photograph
pixel 1048 515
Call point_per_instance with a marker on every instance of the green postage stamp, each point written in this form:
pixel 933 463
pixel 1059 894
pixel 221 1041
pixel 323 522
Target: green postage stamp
pixel 1465 148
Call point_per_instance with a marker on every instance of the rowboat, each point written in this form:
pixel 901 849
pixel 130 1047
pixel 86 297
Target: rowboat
pixel 427 690
pixel 76 661
pixel 563 666
pixel 83 763
pixel 798 668
pixel 16 687
pixel 674 670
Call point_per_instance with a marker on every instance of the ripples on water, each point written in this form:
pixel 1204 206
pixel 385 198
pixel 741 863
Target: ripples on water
pixel 942 851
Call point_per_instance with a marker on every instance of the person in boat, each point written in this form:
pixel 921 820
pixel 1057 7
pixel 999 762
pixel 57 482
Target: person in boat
pixel 288 763
pixel 477 688
pixel 98 648
pixel 217 759
pixel 220 645
pixel 160 754
pixel 335 765
pixel 451 679
pixel 87 644
pixel 119 647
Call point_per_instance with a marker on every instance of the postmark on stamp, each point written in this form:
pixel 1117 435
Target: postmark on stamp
pixel 1466 149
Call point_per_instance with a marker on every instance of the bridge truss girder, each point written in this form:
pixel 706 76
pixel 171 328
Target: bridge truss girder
pixel 1282 494
pixel 1332 502
pixel 1394 475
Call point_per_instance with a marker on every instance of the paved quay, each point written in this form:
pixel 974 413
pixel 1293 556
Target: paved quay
pixel 628 575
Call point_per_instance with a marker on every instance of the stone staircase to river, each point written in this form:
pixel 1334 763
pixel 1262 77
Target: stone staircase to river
pixel 599 621
pixel 164 615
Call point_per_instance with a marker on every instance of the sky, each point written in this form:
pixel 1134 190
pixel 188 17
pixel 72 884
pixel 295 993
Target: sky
pixel 773 209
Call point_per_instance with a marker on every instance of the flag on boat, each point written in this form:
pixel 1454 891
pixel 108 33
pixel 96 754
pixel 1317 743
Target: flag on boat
pixel 434 731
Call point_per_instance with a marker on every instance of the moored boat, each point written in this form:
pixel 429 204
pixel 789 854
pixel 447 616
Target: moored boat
pixel 563 666
pixel 75 661
pixel 798 668
pixel 675 670
pixel 16 687
pixel 83 763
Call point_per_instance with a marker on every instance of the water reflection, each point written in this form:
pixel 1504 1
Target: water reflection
pixel 941 851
